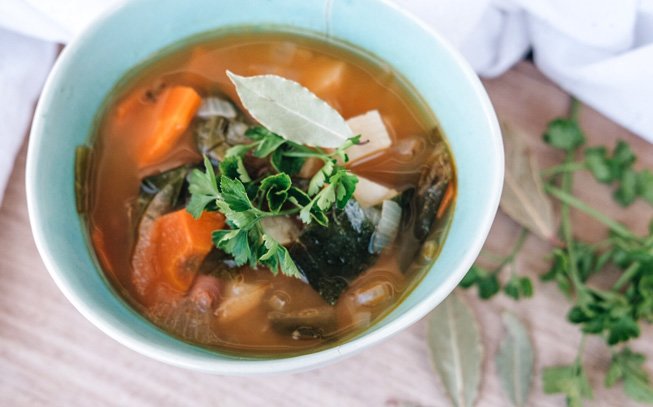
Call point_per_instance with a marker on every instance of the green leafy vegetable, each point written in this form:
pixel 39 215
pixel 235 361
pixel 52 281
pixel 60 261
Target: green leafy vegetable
pixel 275 188
pixel 626 366
pixel 203 187
pixel 245 241
pixel 245 202
pixel 596 159
pixel 277 258
pixel 614 313
pixel 518 287
pixel 488 282
pixel 645 185
pixel 569 380
pixel 233 167
pixel 564 134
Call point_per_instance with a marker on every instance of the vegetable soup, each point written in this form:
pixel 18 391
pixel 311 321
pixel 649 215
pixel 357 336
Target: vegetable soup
pixel 265 193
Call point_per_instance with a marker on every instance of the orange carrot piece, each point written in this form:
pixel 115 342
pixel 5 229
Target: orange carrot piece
pixel 175 109
pixel 182 242
pixel 446 201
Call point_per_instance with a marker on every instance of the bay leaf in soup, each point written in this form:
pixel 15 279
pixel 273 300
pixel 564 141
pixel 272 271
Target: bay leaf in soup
pixel 515 361
pixel 287 108
pixel 454 340
pixel 524 199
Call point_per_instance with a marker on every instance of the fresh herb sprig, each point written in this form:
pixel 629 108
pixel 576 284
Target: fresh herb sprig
pixel 487 280
pixel 245 202
pixel 615 313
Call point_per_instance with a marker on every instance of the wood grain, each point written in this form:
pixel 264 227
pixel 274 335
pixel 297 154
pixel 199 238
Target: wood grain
pixel 50 355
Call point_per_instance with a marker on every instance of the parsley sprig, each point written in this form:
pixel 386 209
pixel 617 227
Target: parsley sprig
pixel 245 201
pixel 614 313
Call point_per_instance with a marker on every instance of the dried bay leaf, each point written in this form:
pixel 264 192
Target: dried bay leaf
pixel 287 108
pixel 524 199
pixel 456 350
pixel 515 361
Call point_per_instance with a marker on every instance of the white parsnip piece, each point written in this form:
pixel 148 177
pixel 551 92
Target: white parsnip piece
pixel 239 299
pixel 370 125
pixel 369 193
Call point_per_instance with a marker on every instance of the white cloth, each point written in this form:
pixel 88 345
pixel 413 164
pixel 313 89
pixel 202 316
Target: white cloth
pixel 601 51
pixel 24 64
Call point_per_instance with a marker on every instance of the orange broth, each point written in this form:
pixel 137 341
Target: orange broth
pixel 352 82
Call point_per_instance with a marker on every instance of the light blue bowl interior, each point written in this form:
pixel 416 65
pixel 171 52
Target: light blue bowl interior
pixel 90 67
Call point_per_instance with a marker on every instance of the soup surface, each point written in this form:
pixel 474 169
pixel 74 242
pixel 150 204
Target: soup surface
pixel 243 309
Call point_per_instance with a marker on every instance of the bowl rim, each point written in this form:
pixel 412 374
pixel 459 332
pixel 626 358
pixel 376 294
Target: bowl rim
pixel 281 364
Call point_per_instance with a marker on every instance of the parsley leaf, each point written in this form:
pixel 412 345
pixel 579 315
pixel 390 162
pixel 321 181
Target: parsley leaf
pixel 596 160
pixel 268 145
pixel 240 198
pixel 486 281
pixel 569 380
pixel 203 188
pixel 645 185
pixel 275 187
pixel 345 187
pixel 626 366
pixel 234 194
pixel 320 177
pixel 564 134
pixel 277 258
pixel 281 162
pixel 518 287
pixel 234 242
pixel 233 167
pixel 622 159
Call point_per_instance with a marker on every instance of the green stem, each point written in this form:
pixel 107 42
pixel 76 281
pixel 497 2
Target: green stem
pixel 566 228
pixel 627 275
pixel 306 155
pixel 569 200
pixel 563 168
pixel 523 234
pixel 601 244
pixel 581 351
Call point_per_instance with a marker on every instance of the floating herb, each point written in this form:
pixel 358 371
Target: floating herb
pixel 246 202
pixel 292 111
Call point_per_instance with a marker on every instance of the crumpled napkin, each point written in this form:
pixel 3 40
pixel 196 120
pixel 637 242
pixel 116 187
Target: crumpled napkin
pixel 24 64
pixel 601 51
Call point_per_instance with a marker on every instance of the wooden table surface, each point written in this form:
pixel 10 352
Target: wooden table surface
pixel 50 355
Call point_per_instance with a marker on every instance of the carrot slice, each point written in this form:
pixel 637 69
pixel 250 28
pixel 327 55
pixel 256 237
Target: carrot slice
pixel 182 242
pixel 175 109
pixel 170 253
pixel 446 201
